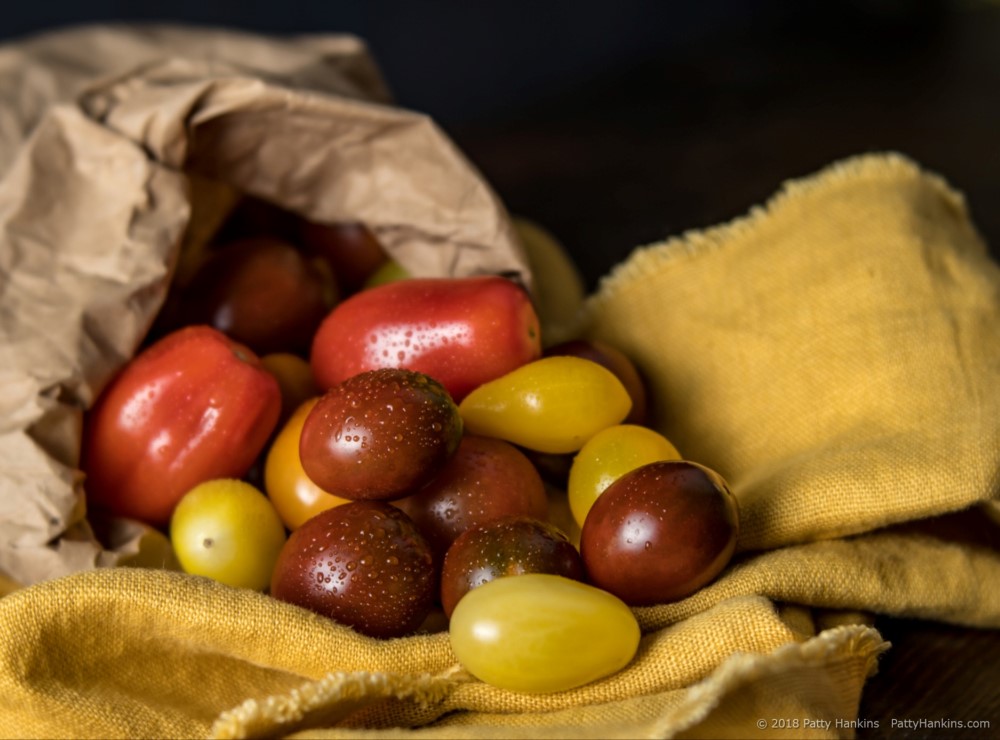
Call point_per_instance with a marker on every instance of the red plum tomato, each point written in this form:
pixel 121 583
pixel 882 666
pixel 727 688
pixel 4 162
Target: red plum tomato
pixel 191 407
pixel 462 332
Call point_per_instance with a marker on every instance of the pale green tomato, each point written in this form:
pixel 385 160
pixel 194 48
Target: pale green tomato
pixel 607 456
pixel 389 272
pixel 227 530
pixel 540 633
pixel 554 404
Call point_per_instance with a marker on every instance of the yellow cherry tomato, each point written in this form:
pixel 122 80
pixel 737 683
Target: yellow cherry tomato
pixel 295 379
pixel 294 495
pixel 226 529
pixel 607 456
pixel 554 404
pixel 540 633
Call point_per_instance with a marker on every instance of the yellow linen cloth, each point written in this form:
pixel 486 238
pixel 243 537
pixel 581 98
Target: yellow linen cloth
pixel 833 354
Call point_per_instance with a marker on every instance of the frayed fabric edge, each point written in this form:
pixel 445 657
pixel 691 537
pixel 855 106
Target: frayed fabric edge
pixel 645 259
pixel 341 691
pixel 743 668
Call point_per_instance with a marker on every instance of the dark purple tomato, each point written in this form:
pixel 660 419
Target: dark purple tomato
pixel 660 532
pixel 262 292
pixel 486 479
pixel 363 564
pixel 379 435
pixel 351 249
pixel 505 547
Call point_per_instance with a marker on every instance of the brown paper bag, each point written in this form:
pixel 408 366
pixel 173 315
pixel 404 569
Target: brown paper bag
pixel 122 146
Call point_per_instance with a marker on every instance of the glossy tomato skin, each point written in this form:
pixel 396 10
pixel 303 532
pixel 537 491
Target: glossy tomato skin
pixel 379 435
pixel 262 292
pixel 294 495
pixel 363 564
pixel 462 332
pixel 351 249
pixel 617 362
pixel 486 479
pixel 660 532
pixel 191 407
pixel 508 546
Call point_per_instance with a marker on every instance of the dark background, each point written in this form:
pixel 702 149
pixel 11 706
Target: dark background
pixel 620 123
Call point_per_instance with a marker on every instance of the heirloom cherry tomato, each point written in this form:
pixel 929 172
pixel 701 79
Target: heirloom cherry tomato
pixel 350 248
pixel 192 407
pixel 551 405
pixel 380 435
pixel 607 456
pixel 660 532
pixel 539 632
pixel 293 493
pixel 227 530
pixel 363 564
pixel 262 292
pixel 485 480
pixel 509 546
pixel 462 332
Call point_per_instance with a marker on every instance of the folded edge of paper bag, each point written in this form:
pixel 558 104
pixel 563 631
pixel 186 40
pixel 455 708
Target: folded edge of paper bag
pixel 76 301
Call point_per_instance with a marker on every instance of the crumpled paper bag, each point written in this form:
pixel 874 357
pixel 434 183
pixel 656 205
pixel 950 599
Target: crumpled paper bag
pixel 814 352
pixel 121 149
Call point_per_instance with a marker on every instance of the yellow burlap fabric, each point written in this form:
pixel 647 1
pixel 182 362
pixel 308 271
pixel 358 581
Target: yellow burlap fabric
pixel 834 354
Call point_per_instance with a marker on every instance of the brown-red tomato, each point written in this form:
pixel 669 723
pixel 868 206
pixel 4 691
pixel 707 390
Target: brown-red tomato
pixel 486 479
pixel 509 546
pixel 363 564
pixel 660 532
pixel 379 434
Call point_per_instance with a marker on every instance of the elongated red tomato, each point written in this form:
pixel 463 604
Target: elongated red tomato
pixel 192 407
pixel 462 332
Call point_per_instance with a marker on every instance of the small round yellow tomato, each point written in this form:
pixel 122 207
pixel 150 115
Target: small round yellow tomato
pixel 227 530
pixel 295 379
pixel 607 456
pixel 553 405
pixel 295 497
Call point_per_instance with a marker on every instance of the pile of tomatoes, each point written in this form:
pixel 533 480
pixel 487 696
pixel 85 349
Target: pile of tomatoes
pixel 310 421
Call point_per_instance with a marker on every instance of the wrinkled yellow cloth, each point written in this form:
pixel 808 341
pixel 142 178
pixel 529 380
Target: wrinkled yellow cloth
pixel 834 354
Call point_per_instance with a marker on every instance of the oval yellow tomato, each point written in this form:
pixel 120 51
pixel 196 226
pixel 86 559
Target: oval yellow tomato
pixel 540 633
pixel 294 495
pixel 550 405
pixel 607 456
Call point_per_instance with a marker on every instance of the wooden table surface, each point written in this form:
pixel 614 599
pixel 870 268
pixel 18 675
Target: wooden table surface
pixel 698 136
